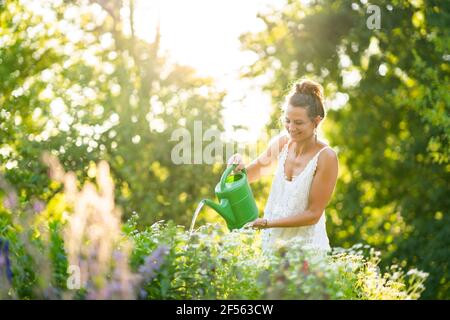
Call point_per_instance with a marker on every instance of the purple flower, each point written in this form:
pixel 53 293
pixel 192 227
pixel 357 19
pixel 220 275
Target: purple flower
pixel 38 206
pixel 153 262
pixel 4 259
pixel 143 294
pixel 10 202
pixel 117 255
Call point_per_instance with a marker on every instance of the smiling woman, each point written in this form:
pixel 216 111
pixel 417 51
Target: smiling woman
pixel 305 177
pixel 299 122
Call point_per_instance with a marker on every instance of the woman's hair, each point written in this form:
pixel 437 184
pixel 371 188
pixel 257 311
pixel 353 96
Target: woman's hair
pixel 307 94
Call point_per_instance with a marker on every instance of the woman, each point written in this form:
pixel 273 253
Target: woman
pixel 305 176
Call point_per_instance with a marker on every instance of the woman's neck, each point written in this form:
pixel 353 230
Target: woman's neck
pixel 302 147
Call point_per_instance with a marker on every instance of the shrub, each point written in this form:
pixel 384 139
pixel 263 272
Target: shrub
pixel 211 264
pixel 40 248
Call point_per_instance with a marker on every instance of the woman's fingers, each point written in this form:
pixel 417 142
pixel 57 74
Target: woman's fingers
pixel 239 167
pixel 233 159
pixel 236 159
pixel 248 225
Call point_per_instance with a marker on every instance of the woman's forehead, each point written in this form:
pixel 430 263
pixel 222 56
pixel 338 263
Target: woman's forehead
pixel 296 113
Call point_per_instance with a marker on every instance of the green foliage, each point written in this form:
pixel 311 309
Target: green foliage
pixel 212 265
pixel 82 230
pixel 39 263
pixel 208 264
pixel 102 95
pixel 58 256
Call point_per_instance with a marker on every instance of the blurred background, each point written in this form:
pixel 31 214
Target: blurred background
pixel 111 80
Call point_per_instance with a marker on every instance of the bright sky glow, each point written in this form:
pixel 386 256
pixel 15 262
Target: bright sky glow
pixel 205 35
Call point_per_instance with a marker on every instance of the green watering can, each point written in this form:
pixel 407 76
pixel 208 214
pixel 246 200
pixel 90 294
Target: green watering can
pixel 237 205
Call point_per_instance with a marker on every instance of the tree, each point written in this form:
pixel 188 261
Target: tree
pixel 74 83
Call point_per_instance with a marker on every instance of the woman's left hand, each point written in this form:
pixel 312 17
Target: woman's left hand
pixel 260 223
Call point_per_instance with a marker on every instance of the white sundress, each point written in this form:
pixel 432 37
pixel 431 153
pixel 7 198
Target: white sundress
pixel 288 198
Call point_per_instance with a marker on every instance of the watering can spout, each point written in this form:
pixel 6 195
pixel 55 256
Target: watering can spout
pixel 224 209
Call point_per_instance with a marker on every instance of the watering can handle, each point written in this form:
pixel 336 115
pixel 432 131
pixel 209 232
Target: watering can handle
pixel 226 173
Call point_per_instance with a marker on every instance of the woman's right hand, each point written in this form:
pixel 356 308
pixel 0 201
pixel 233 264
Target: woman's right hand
pixel 236 159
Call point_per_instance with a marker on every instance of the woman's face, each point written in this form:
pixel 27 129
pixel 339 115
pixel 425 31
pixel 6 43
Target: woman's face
pixel 298 124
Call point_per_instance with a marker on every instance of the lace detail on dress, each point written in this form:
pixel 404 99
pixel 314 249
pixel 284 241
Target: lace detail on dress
pixel 291 197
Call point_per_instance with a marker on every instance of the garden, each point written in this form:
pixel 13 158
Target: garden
pixel 97 192
pixel 92 255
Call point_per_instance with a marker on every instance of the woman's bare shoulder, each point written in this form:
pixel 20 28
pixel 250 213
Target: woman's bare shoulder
pixel 279 141
pixel 328 155
pixel 275 145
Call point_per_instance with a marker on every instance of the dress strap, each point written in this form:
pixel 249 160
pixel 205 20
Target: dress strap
pixel 284 150
pixel 316 158
pixel 317 154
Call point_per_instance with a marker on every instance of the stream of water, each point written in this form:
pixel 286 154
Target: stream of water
pixel 197 211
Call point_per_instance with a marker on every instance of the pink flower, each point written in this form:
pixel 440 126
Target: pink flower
pixel 305 268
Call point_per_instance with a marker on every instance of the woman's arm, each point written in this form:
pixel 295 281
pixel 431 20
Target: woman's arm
pixel 265 160
pixel 322 188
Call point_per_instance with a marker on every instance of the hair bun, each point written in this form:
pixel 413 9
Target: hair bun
pixel 307 94
pixel 310 88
